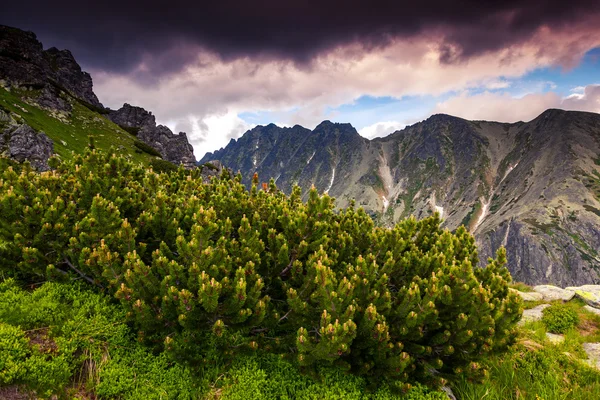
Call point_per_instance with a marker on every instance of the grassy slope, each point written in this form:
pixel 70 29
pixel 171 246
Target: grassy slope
pixel 71 135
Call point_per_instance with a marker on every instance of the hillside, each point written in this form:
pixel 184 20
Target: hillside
pixel 533 187
pixel 44 94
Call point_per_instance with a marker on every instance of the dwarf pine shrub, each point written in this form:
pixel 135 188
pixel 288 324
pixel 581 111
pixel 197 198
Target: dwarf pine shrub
pixel 259 269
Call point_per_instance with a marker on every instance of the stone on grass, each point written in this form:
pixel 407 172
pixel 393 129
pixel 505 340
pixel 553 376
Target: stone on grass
pixel 592 309
pixel 554 338
pixel 528 296
pixel 593 352
pixel 553 293
pixel 533 314
pixel 588 293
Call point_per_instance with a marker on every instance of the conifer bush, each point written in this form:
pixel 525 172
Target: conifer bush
pixel 195 262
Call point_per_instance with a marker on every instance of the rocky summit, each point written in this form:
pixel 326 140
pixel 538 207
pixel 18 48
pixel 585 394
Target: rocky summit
pixel 533 187
pixel 24 63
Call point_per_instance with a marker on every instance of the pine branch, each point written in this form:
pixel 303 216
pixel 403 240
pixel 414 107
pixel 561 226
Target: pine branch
pixel 87 278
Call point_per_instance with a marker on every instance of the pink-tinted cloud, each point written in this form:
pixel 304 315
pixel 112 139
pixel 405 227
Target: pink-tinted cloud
pixel 504 108
pixel 213 88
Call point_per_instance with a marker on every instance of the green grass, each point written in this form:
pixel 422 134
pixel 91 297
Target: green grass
pixel 520 286
pixel 534 368
pixel 72 134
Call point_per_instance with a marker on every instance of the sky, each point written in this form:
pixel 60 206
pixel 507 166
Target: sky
pixel 216 69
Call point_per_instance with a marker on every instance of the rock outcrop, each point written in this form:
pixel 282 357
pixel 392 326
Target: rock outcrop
pixel 532 187
pixel 53 79
pixel 24 63
pixel 173 148
pixel 22 143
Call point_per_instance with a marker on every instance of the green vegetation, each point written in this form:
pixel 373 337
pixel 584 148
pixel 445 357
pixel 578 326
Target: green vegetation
pixel 146 148
pixel 194 263
pixel 559 318
pixel 66 340
pixel 159 165
pixel 71 133
pixel 534 368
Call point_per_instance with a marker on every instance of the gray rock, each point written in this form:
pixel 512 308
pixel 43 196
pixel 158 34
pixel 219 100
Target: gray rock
pixel 593 352
pixel 554 338
pixel 588 293
pixel 449 393
pixel 593 310
pixel 528 296
pixel 24 63
pixel 23 143
pixel 553 293
pixel 533 314
pixel 173 148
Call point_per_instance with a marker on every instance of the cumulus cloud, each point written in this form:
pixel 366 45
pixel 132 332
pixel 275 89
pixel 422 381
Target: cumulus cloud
pixel 505 108
pixel 381 129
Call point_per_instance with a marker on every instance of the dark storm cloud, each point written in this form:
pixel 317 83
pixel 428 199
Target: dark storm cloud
pixel 117 36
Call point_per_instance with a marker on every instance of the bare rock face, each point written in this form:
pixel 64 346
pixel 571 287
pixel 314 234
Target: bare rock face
pixel 22 143
pixel 173 148
pixel 24 63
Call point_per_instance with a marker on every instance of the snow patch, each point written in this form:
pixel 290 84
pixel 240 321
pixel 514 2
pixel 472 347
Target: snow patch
pixel 311 157
pixel 386 203
pixel 440 210
pixel 331 183
pixel 485 205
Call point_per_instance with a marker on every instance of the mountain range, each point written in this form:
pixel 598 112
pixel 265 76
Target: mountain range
pixel 533 187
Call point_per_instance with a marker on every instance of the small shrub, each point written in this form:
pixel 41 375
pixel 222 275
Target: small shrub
pixel 132 130
pixel 146 148
pixel 559 318
pixel 162 166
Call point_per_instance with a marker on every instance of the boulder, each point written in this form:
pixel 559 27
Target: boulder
pixel 593 352
pixel 588 293
pixel 592 309
pixel 554 293
pixel 23 143
pixel 554 338
pixel 533 314
pixel 528 296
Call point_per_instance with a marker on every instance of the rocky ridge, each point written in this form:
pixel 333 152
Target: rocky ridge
pixel 173 148
pixel 532 187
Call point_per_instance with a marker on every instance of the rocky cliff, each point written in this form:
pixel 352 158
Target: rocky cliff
pixel 53 72
pixel 173 148
pixel 52 80
pixel 532 187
